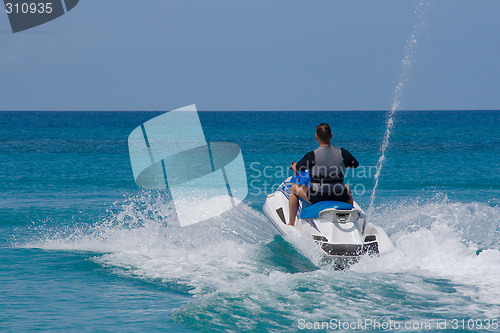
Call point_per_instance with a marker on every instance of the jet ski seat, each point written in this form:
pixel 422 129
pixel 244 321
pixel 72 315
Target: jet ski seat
pixel 312 211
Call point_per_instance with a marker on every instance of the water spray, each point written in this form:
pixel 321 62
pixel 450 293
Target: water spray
pixel 406 66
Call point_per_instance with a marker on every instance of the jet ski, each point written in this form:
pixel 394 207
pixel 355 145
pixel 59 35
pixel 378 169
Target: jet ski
pixel 341 230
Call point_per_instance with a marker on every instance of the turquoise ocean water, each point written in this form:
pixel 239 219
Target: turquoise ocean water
pixel 83 248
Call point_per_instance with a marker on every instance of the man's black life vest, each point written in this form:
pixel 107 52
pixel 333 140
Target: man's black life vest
pixel 328 168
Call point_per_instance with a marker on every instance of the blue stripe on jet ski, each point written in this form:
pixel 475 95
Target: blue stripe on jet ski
pixel 281 232
pixel 285 189
pixel 312 224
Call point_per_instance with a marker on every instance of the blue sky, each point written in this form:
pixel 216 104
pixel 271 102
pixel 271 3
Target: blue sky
pixel 253 55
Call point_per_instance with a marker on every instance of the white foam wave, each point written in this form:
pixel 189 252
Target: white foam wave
pixel 474 222
pixel 225 263
pixel 435 272
pixel 144 239
pixel 455 241
pixel 306 246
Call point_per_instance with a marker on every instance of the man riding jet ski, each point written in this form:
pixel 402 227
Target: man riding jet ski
pixel 326 164
pixel 326 208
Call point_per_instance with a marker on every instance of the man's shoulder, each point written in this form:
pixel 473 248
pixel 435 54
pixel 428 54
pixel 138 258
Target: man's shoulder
pixel 308 157
pixel 309 154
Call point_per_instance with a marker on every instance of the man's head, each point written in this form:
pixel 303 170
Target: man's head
pixel 323 133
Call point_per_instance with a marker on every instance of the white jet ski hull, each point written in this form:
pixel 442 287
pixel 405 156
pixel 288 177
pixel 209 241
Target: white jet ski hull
pixel 340 229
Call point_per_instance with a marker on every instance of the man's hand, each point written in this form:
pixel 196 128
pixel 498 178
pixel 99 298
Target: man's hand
pixel 294 168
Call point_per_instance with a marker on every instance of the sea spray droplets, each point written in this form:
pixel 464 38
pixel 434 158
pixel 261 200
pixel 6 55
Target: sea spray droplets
pixel 440 240
pixel 408 59
pixel 142 238
pixel 475 222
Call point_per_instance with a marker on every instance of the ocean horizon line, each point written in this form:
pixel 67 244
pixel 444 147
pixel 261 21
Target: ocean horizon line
pixel 356 110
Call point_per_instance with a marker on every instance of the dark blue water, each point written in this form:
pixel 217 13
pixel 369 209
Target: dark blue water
pixel 83 248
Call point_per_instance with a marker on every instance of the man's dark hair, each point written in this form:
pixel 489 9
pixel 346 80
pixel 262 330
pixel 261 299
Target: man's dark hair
pixel 323 132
